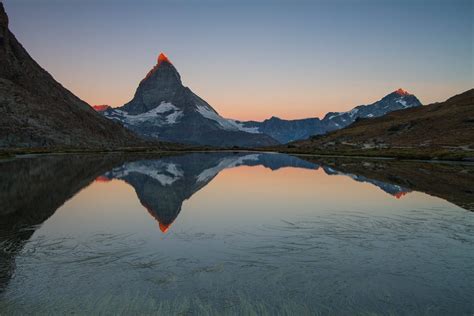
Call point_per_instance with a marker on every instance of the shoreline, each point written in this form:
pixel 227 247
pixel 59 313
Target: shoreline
pixel 24 153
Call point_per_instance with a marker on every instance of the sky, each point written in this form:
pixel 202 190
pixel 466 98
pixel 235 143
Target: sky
pixel 255 59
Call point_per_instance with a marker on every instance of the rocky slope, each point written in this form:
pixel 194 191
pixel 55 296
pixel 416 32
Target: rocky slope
pixel 36 111
pixel 286 131
pixel 162 108
pixel 434 128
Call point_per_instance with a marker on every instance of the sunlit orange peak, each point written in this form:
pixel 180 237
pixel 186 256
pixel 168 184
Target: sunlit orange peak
pixel 100 108
pixel 164 228
pixel 163 58
pixel 398 195
pixel 402 92
pixel 102 179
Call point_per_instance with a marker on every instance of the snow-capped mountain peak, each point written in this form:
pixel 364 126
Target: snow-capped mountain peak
pixel 398 100
pixel 164 108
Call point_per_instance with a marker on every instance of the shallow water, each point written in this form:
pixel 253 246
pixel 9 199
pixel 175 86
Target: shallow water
pixel 235 233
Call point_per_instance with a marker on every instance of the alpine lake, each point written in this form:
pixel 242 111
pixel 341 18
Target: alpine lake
pixel 228 233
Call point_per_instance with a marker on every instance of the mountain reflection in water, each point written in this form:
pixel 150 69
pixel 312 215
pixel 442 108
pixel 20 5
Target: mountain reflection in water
pixel 162 185
pixel 32 189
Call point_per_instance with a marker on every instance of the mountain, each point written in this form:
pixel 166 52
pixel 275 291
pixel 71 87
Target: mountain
pixel 397 100
pixel 286 131
pixel 37 111
pixel 445 128
pixel 165 109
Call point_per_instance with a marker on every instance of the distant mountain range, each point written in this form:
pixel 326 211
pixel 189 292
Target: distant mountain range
pixel 286 131
pixel 37 111
pixel 163 108
pixel 436 127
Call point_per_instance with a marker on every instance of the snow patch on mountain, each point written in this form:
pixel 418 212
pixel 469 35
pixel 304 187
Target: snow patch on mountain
pixel 402 102
pixel 240 126
pixel 164 173
pixel 353 112
pixel 226 124
pixel 160 115
pixel 173 117
pixel 228 162
pixel 212 115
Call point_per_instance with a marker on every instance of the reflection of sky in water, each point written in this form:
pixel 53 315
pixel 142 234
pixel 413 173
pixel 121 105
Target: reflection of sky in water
pixel 291 239
pixel 243 196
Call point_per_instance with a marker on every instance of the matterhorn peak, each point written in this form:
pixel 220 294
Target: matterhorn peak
pixel 162 58
pixel 400 91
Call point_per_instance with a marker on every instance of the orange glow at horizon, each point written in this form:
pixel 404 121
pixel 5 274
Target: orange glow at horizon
pixel 265 115
pixel 250 105
pixel 247 101
pixel 260 102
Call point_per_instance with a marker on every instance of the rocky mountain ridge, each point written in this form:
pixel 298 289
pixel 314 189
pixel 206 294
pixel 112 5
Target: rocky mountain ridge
pixel 286 131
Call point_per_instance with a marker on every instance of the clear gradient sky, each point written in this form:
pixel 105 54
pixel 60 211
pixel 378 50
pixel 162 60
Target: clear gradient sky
pixel 255 59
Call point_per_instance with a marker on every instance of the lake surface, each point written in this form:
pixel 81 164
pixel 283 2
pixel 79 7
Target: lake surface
pixel 235 233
